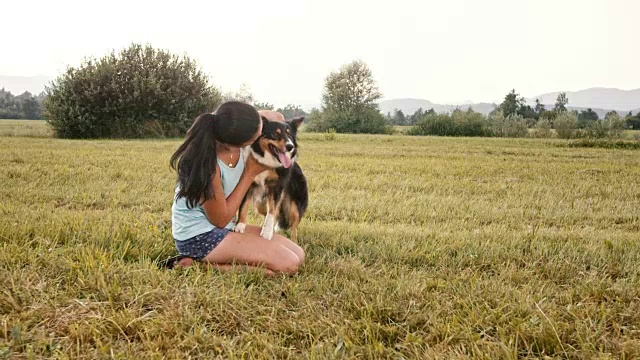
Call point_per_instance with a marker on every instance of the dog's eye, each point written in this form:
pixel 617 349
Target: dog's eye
pixel 276 136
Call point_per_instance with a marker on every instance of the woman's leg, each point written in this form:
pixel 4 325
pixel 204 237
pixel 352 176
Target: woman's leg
pixel 188 262
pixel 251 229
pixel 253 250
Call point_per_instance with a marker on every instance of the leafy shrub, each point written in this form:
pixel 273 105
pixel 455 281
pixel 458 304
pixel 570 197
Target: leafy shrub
pixel 434 124
pixel 633 122
pixel 542 129
pixel 140 92
pixel 458 123
pixel 606 144
pixel 362 121
pixel 566 124
pixel 596 129
pixel 615 124
pixel 470 123
pixel 511 126
pixel 330 135
pixel 316 122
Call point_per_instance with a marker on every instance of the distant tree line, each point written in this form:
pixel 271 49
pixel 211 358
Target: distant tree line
pixel 145 92
pixel 23 106
pixel 514 117
pixel 244 94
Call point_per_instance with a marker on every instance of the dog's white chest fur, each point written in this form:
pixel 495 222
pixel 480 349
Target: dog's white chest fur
pixel 261 178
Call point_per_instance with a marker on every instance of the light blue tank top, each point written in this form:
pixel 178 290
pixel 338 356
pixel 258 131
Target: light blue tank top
pixel 187 223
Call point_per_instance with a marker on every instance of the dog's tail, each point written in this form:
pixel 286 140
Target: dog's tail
pixel 293 212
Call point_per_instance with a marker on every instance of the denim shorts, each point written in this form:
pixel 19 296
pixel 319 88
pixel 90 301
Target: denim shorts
pixel 201 245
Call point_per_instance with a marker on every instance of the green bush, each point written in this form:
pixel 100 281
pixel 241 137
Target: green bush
pixel 434 124
pixel 140 92
pixel 605 144
pixel 470 123
pixel 511 126
pixel 458 123
pixel 566 124
pixel 362 121
pixel 596 129
pixel 633 123
pixel 615 124
pixel 330 135
pixel 316 122
pixel 542 129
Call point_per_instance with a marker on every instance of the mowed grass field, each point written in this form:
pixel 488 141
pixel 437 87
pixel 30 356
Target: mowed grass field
pixel 417 247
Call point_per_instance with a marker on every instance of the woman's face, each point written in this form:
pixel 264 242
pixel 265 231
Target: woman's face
pixel 254 137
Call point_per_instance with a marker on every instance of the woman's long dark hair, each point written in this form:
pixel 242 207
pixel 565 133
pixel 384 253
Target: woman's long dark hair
pixel 233 123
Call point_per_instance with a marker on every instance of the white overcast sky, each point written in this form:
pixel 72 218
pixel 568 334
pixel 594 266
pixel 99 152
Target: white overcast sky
pixel 444 51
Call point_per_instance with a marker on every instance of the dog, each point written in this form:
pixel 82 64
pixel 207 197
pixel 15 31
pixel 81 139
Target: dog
pixel 280 193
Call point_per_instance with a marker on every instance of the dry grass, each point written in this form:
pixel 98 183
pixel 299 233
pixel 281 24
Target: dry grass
pixel 25 128
pixel 418 247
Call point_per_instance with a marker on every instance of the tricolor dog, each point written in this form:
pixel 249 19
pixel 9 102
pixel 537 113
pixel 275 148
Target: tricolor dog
pixel 280 193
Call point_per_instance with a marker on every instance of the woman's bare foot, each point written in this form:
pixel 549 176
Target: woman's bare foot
pixel 184 263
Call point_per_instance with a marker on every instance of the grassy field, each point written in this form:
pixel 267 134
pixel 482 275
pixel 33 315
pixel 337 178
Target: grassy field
pixel 25 128
pixel 417 247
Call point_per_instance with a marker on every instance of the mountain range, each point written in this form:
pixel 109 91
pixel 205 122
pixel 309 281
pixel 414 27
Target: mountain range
pixel 600 100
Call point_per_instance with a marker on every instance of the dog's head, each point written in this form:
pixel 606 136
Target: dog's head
pixel 277 146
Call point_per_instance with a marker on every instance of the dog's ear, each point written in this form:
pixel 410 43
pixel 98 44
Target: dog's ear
pixel 265 121
pixel 296 122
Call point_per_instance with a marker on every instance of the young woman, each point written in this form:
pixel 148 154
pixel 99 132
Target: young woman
pixel 213 178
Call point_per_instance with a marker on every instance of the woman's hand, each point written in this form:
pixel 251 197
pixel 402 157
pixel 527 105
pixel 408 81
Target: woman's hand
pixel 252 167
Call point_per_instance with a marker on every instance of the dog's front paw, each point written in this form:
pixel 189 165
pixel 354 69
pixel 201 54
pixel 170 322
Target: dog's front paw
pixel 267 227
pixel 267 232
pixel 240 228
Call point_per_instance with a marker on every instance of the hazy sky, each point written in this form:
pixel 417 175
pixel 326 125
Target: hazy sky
pixel 444 51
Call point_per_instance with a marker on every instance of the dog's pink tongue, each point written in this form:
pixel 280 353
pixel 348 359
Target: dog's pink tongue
pixel 284 160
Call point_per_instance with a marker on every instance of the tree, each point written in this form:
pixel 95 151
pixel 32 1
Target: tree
pixel 292 111
pixel 549 115
pixel 587 117
pixel 263 106
pixel 398 117
pixel 527 112
pixel 351 88
pixel 611 114
pixel 588 114
pixel 632 122
pixel 316 121
pixel 139 92
pixel 243 94
pixel 31 108
pixel 350 100
pixel 539 109
pixel 23 106
pixel 514 104
pixel 561 102
pixel 511 103
pixel 415 116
